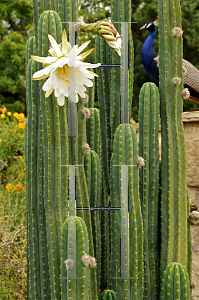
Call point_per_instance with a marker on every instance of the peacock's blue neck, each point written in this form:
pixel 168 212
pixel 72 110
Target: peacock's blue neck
pixel 148 55
pixel 148 52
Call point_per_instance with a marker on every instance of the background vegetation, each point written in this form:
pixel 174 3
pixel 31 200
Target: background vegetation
pixel 12 206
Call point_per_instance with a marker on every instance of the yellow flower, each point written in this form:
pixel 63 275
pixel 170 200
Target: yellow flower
pixel 9 187
pixel 9 113
pixel 15 129
pixel 3 110
pixel 2 116
pixel 0 140
pixel 19 187
pixel 22 125
pixel 15 115
pixel 20 157
pixel 21 116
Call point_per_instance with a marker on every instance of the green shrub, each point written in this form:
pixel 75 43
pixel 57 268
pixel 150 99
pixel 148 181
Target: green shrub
pixel 12 207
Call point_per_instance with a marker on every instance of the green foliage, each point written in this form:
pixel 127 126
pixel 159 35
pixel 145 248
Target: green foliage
pixel 12 143
pixel 12 209
pixel 15 26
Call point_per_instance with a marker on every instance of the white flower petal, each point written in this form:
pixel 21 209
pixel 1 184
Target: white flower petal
pixel 72 56
pixel 48 93
pixel 61 100
pixel 47 85
pixel 86 73
pixel 53 52
pixel 82 47
pixel 50 59
pixel 57 93
pixel 73 97
pixel 87 82
pixel 55 45
pixel 60 63
pixel 38 58
pixel 65 49
pixel 42 72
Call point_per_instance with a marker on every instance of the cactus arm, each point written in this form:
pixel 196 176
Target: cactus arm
pixel 149 181
pixel 175 284
pixel 76 288
pixel 182 147
pixel 131 69
pixel 30 48
pixel 174 198
pixel 30 279
pixel 101 96
pixel 125 153
pixel 93 130
pixel 137 212
pixel 48 24
pixel 36 19
pixel 64 13
pixel 93 176
pixel 90 92
pixel 64 161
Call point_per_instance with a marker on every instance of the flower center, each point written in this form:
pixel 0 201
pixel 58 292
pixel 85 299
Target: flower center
pixel 63 72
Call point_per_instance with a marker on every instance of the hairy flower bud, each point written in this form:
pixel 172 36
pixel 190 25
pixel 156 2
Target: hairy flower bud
pixel 185 93
pixel 86 148
pixel 85 259
pixel 140 161
pixel 69 263
pixel 176 80
pixel 177 31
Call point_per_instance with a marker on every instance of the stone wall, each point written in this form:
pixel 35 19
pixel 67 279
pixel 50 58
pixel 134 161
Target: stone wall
pixel 191 131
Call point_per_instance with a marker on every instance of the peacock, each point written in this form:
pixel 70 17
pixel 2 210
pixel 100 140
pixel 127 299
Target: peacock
pixel 150 60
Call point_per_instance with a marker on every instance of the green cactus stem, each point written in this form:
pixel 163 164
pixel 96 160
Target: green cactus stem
pixel 175 283
pixel 174 234
pixel 108 295
pixel 75 272
pixel 149 184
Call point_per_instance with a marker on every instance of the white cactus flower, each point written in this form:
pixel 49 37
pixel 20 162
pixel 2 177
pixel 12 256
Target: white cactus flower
pixel 68 74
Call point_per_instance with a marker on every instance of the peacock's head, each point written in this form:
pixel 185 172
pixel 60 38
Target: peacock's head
pixel 150 26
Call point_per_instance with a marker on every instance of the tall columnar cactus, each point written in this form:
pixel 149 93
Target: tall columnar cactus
pixel 93 178
pixel 126 263
pixel 107 179
pixel 149 184
pixel 174 230
pixel 175 283
pixel 75 260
